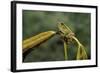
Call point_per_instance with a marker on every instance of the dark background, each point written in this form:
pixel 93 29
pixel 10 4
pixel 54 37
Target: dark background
pixel 35 22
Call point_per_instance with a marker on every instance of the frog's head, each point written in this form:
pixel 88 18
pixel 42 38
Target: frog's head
pixel 64 29
pixel 65 32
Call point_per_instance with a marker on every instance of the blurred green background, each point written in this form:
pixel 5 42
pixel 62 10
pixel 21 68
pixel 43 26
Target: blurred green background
pixel 35 22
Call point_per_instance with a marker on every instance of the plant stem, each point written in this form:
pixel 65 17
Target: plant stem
pixel 65 51
pixel 80 55
pixel 78 50
pixel 76 40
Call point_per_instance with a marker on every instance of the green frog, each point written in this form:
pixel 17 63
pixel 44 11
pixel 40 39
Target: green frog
pixel 65 32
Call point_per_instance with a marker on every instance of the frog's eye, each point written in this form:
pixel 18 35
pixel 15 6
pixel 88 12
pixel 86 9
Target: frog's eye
pixel 62 23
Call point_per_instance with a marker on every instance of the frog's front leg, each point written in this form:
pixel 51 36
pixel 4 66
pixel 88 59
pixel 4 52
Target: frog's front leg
pixel 68 38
